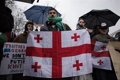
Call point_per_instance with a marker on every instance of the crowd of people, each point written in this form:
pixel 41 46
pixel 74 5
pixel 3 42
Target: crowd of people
pixel 54 23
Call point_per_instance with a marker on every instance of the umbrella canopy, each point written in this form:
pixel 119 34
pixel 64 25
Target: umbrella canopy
pixel 38 14
pixel 96 17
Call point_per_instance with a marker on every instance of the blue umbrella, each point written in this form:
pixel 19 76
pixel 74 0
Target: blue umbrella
pixel 38 14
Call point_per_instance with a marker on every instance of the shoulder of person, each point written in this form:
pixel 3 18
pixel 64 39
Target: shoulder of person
pixel 44 28
pixel 20 35
pixel 66 26
pixel 96 37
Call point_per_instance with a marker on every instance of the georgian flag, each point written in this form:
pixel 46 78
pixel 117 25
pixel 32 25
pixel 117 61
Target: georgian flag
pixel 101 56
pixel 58 54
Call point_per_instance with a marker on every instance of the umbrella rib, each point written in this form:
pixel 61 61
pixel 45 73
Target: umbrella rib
pixel 39 18
pixel 96 17
pixel 38 13
pixel 43 12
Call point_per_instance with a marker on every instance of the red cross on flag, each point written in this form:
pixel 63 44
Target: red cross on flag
pixel 58 54
pixel 101 56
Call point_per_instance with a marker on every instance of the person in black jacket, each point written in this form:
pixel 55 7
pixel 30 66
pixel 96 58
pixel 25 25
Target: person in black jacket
pixel 6 23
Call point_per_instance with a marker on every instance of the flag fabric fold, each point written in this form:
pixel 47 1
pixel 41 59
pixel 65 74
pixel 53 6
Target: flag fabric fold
pixel 101 56
pixel 58 54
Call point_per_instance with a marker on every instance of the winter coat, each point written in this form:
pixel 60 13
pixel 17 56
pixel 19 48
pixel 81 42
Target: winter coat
pixel 55 24
pixel 102 38
pixel 101 74
pixel 53 27
pixel 22 38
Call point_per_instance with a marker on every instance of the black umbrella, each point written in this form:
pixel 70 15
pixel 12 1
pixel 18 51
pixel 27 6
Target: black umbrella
pixel 96 17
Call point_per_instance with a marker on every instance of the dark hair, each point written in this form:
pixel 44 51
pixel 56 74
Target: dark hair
pixel 52 9
pixel 82 18
pixel 58 14
pixel 26 28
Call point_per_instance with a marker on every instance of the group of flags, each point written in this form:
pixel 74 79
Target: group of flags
pixel 55 54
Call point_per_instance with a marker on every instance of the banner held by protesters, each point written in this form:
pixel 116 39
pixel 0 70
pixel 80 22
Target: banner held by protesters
pixel 13 58
pixel 58 54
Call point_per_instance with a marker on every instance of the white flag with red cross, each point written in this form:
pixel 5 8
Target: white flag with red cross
pixel 58 54
pixel 101 56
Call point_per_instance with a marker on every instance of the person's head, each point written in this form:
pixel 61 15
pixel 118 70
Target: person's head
pixel 103 28
pixel 117 36
pixel 29 27
pixel 52 13
pixel 81 22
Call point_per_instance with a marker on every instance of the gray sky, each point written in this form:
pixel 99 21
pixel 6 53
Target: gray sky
pixel 71 10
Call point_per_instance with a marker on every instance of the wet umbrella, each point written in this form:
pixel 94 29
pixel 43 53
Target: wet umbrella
pixel 38 14
pixel 96 17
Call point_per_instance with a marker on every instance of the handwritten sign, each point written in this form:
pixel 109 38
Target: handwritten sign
pixel 13 58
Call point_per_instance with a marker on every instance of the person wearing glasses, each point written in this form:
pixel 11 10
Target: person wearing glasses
pixel 54 22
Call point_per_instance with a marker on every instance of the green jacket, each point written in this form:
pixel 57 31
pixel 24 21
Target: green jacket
pixel 102 38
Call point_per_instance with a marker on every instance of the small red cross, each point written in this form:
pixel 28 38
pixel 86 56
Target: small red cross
pixel 75 37
pixel 103 47
pixel 100 62
pixel 77 65
pixel 38 38
pixel 36 66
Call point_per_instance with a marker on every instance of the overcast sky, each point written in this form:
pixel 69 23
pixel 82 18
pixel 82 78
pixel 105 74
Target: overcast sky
pixel 71 10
